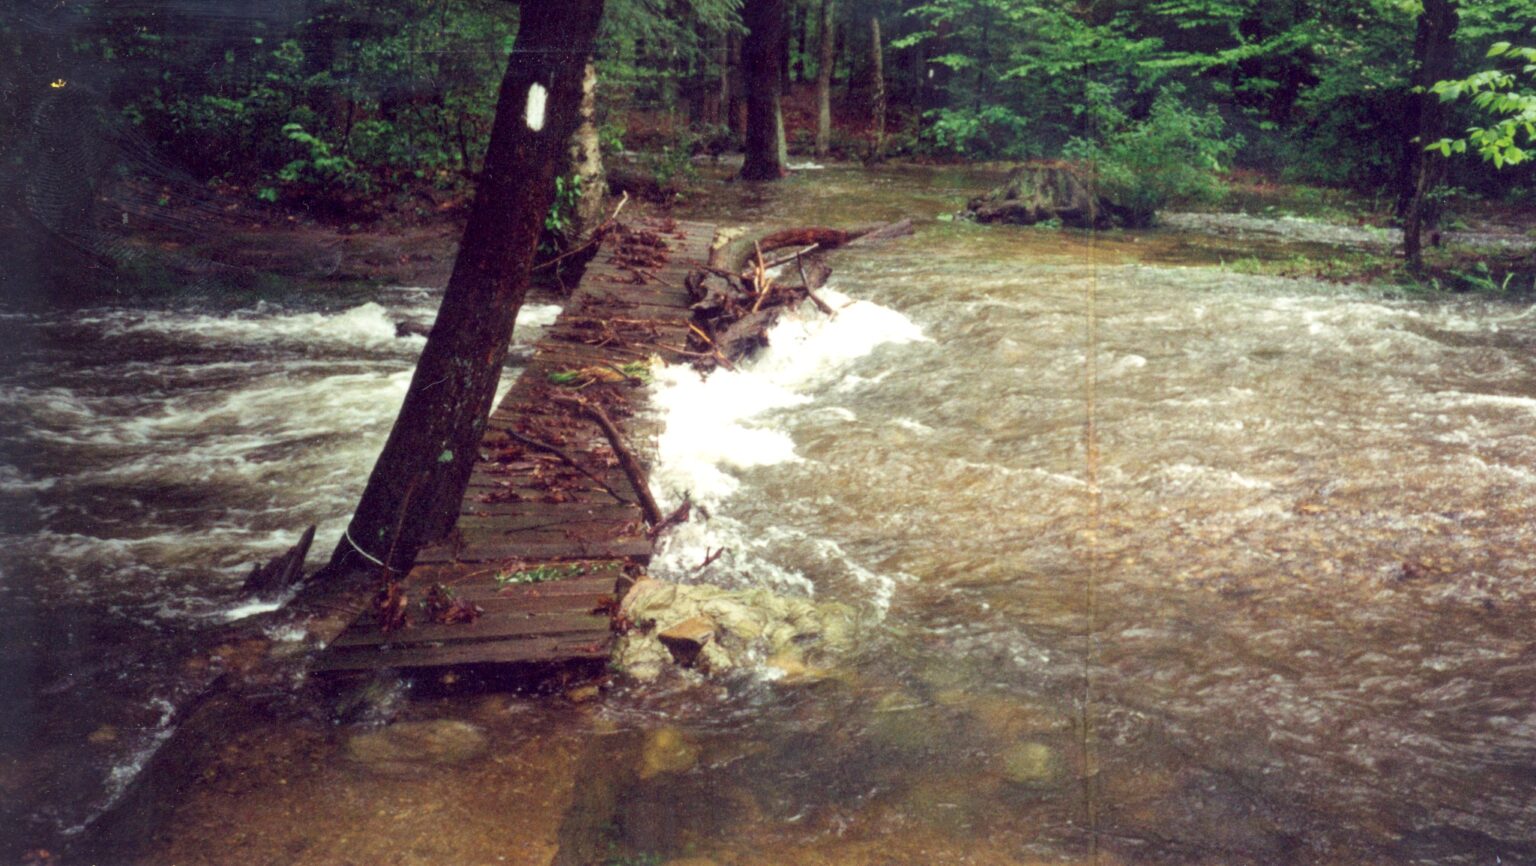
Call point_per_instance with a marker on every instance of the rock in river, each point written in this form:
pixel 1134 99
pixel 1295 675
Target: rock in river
pixel 716 629
pixel 406 748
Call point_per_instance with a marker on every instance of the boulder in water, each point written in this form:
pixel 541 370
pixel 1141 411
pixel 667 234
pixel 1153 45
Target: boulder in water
pixel 667 751
pixel 409 748
pixel 743 625
pixel 1031 765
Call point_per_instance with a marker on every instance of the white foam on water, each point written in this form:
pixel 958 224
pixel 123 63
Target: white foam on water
pixel 248 609
pixel 710 422
pixel 286 633
pixel 717 425
pixel 12 479
pixel 1467 398
pixel 369 325
pixel 533 316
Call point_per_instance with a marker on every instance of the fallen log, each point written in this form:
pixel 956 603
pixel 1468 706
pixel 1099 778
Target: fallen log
pixel 569 460
pixel 734 256
pixel 748 333
pixel 627 461
pixel 813 280
pixel 735 303
pixel 885 232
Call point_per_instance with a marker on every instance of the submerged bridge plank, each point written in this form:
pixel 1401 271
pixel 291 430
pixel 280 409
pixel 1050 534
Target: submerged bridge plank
pixel 540 547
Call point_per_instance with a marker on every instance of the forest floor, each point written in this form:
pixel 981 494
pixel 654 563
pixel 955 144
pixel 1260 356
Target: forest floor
pixel 243 245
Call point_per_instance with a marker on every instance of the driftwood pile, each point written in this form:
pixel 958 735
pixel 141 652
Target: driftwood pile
pixel 736 301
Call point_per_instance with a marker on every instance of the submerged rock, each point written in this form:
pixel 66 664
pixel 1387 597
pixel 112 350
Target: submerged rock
pixel 667 751
pixel 1033 765
pixel 903 724
pixel 405 748
pixel 716 629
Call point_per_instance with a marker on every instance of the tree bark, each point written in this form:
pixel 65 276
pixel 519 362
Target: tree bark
pixel 877 62
pixel 761 51
pixel 826 55
pixel 736 103
pixel 1434 55
pixel 586 162
pixel 723 115
pixel 420 477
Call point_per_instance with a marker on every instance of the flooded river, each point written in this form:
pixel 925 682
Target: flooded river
pixel 1158 563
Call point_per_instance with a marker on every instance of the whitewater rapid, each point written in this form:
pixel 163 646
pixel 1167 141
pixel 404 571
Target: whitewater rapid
pixel 717 427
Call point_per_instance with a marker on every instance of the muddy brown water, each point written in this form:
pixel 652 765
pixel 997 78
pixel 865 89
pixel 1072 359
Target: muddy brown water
pixel 1162 564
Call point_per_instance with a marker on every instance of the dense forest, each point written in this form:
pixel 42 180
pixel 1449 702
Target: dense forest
pixel 351 110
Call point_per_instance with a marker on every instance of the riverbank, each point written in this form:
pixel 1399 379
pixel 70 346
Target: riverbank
pixel 237 248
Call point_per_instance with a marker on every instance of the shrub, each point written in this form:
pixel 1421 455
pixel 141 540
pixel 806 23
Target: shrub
pixel 1174 155
pixel 993 131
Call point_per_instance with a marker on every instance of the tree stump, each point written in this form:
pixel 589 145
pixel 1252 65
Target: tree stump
pixel 1040 192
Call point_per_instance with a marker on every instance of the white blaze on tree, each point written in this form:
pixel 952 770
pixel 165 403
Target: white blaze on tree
pixel 418 482
pixel 533 114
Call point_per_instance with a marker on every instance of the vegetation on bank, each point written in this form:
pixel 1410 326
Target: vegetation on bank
pixel 348 112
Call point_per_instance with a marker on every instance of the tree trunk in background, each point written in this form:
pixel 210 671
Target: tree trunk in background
pixel 826 54
pixel 877 63
pixel 760 53
pixel 795 60
pixel 414 491
pixel 725 83
pixel 786 80
pixel 780 140
pixel 587 161
pixel 1434 56
pixel 736 102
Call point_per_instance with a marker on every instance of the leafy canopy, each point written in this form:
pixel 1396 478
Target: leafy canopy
pixel 1498 92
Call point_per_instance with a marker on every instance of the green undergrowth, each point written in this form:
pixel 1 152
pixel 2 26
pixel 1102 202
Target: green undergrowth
pixel 541 574
pixel 1443 271
pixel 1260 194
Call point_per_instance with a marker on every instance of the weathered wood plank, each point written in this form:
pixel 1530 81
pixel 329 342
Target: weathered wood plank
pixel 543 524
pixel 639 549
pixel 602 510
pixel 619 548
pixel 550 623
pixel 537 651
pixel 505 623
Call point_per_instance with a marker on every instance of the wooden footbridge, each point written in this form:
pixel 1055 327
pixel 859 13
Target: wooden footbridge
pixel 549 523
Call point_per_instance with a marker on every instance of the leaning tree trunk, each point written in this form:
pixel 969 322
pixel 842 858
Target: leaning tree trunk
pixel 413 495
pixel 760 54
pixel 1434 54
pixel 826 54
pixel 877 62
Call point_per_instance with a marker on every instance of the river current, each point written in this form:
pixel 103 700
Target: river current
pixel 1161 564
